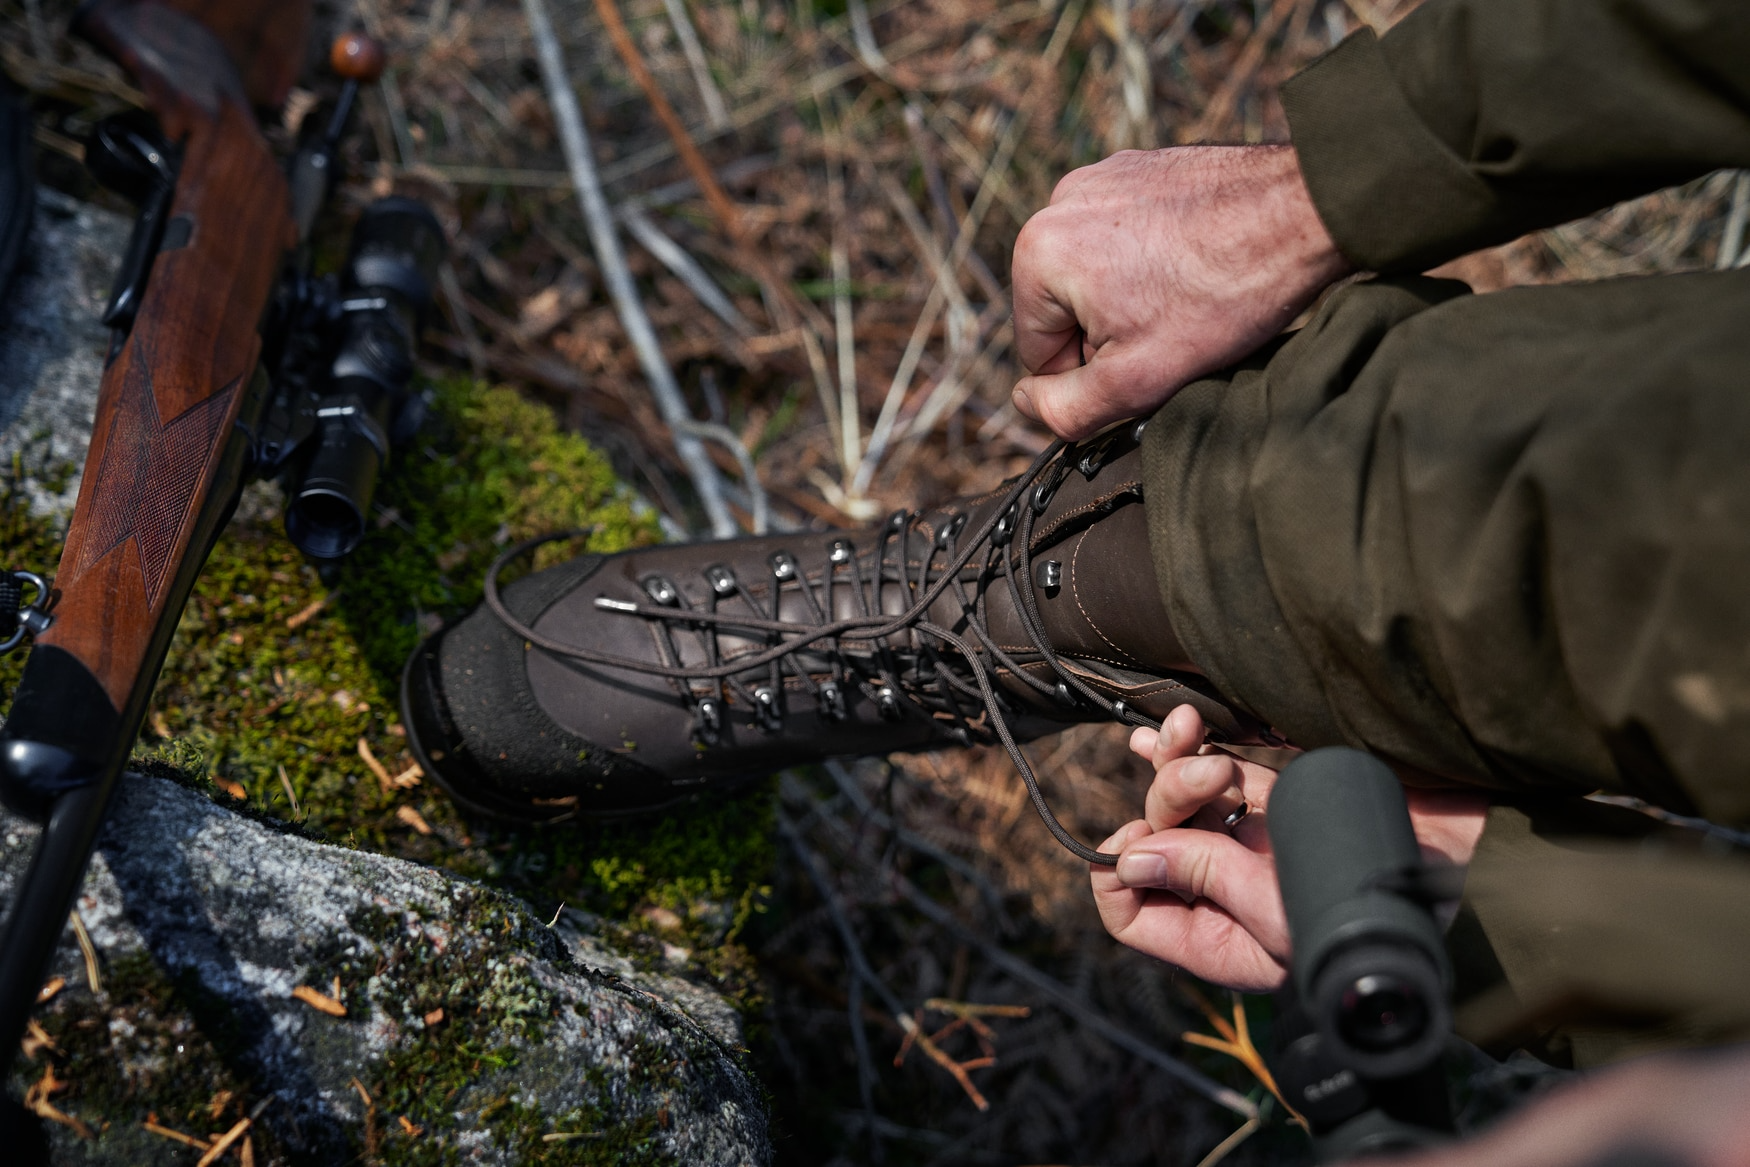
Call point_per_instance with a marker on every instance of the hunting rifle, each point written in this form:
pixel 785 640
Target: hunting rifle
pixel 228 358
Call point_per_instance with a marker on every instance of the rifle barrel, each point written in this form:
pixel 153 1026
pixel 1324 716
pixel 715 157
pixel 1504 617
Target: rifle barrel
pixel 42 900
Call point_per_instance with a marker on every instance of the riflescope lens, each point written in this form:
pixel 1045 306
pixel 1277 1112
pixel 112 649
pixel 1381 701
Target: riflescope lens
pixel 1380 1012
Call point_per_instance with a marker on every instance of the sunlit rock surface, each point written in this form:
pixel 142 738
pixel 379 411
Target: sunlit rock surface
pixel 207 923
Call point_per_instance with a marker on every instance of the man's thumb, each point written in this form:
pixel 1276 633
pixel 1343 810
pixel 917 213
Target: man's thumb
pixel 1069 404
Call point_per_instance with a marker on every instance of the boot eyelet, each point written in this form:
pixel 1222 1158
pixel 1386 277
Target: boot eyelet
pixel 1064 695
pixel 1005 528
pixel 1049 576
pixel 896 521
pixel 832 702
pixel 1136 431
pixel 1042 494
pixel 1053 478
pixel 708 725
pixel 1094 457
pixel 783 566
pixel 887 703
pixel 661 589
pixel 771 718
pixel 840 552
pixel 721 579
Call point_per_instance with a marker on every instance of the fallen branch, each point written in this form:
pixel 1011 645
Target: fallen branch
pixel 685 268
pixel 715 111
pixel 599 219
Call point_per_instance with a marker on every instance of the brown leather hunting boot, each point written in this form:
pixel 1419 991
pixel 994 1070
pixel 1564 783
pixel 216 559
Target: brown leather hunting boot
pixel 619 683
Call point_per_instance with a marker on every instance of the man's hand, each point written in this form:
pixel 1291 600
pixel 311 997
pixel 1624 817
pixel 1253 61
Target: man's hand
pixel 1150 269
pixel 1195 894
pixel 1691 1109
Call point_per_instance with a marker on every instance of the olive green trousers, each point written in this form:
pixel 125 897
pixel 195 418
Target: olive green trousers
pixel 1503 541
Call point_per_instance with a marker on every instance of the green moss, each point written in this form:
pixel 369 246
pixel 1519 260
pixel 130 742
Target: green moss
pixel 251 706
pixel 277 673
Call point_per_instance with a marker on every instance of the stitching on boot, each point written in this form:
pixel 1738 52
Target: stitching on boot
pixel 1022 649
pixel 1080 607
pixel 1054 530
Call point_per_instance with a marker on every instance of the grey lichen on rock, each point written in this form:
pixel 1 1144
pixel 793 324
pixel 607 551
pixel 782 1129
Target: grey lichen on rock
pixel 463 1015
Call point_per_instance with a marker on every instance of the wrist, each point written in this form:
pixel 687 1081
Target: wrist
pixel 1448 823
pixel 1302 232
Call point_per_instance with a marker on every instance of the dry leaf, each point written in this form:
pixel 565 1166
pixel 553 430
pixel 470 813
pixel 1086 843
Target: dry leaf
pixel 413 819
pixel 319 1000
pixel 377 768
pixel 36 1100
pixel 36 1038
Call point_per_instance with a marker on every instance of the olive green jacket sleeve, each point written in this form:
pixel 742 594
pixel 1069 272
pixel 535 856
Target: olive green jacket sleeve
pixel 1591 933
pixel 1502 541
pixel 1474 121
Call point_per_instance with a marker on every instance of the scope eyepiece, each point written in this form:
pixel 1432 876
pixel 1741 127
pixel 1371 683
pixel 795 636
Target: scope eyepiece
pixel 1382 1006
pixel 1367 1015
pixel 386 287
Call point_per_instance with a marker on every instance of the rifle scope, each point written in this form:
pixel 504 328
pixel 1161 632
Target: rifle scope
pixel 1368 1014
pixel 364 407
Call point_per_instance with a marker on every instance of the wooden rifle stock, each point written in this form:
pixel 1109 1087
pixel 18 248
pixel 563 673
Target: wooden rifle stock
pixel 170 442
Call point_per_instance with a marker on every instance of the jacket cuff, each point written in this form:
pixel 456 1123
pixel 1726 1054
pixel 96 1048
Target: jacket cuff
pixel 1394 197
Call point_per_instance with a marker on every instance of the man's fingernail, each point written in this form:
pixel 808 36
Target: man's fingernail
pixel 1024 403
pixel 1142 870
pixel 1207 770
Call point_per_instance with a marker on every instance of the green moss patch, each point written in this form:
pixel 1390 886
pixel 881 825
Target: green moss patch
pixel 280 670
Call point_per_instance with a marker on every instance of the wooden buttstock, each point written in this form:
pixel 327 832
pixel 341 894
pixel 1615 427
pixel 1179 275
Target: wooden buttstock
pixel 173 393
pixel 264 41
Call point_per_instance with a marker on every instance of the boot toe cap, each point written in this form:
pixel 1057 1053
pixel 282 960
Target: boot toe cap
pixel 475 725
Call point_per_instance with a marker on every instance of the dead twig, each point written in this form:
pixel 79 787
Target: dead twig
pixel 722 209
pixel 1071 1003
pixel 685 268
pixel 716 113
pixel 612 261
pixel 227 1140
pixel 87 950
pixel 164 1132
pixel 36 1100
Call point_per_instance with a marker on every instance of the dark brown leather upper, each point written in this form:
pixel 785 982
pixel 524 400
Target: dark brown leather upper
pixel 637 739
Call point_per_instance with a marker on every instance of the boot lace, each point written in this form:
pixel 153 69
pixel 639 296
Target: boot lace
pixel 973 709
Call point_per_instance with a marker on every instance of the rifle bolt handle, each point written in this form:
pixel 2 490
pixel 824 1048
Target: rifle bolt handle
pixel 357 57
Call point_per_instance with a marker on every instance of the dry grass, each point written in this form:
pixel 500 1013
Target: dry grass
pixel 880 160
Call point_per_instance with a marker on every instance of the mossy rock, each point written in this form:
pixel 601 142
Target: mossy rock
pixel 282 677
pixel 357 1007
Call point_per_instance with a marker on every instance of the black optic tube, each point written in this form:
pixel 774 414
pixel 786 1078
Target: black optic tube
pixel 386 287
